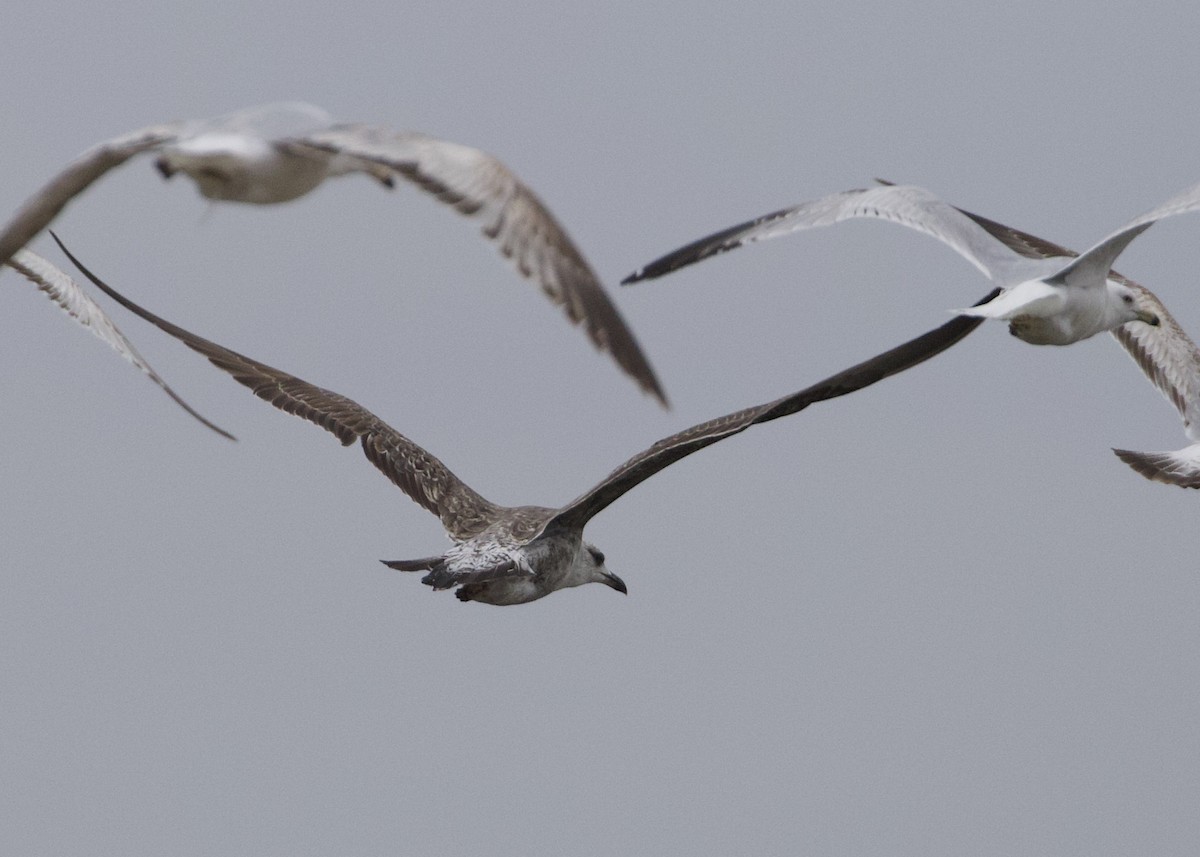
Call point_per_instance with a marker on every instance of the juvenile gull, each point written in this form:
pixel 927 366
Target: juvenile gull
pixel 67 295
pixel 1165 353
pixel 1047 301
pixel 511 555
pixel 278 152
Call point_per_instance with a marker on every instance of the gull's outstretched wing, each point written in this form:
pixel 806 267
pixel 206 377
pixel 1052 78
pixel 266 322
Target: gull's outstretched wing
pixel 1165 353
pixel 412 469
pixel 1093 265
pixel 1172 363
pixel 669 450
pixel 906 205
pixel 478 185
pixel 72 300
pixel 37 212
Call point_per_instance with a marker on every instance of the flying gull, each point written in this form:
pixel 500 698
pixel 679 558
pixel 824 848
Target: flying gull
pixel 278 152
pixel 57 285
pixel 512 555
pixel 1165 353
pixel 1047 301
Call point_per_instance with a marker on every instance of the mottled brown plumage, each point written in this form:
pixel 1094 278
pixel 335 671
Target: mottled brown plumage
pixel 510 555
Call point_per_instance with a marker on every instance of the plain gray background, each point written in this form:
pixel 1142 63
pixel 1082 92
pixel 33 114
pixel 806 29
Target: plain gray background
pixel 938 617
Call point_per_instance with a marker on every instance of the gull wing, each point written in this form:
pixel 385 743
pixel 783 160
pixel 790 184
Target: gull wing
pixel 906 205
pixel 412 469
pixel 37 212
pixel 1166 354
pixel 670 449
pixel 72 300
pixel 1092 266
pixel 1172 363
pixel 1181 467
pixel 478 185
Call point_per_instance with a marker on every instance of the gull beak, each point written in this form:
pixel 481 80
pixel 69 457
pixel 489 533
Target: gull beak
pixel 615 582
pixel 1148 317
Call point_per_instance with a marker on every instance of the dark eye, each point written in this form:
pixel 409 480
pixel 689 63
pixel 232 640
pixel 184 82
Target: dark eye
pixel 597 557
pixel 1127 298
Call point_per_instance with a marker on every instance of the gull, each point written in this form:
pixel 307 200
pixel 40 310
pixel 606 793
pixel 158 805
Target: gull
pixel 1046 301
pixel 512 555
pixel 67 294
pixel 278 152
pixel 1165 353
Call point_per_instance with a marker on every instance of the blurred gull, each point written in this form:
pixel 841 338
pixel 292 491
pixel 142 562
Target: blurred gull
pixel 278 152
pixel 513 555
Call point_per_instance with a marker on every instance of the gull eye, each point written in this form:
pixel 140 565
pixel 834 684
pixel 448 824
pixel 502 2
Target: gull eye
pixel 1127 298
pixel 597 557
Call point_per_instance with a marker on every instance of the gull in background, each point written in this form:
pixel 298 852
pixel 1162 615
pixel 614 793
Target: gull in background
pixel 57 285
pixel 278 152
pixel 513 555
pixel 1046 301
pixel 1165 353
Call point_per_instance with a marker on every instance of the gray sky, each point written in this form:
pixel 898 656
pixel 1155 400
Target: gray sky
pixel 935 618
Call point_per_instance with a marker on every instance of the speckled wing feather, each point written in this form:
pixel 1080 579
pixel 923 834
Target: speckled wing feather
pixel 37 212
pixel 669 450
pixel 416 472
pixel 71 299
pixel 442 576
pixel 478 185
pixel 1180 468
pixel 1166 354
pixel 1168 357
pixel 905 205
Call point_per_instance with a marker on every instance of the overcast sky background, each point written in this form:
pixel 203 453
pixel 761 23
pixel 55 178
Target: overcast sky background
pixel 938 617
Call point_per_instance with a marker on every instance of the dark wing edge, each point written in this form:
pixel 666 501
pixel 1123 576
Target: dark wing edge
pixel 702 248
pixel 671 449
pixel 572 284
pixel 412 469
pixel 522 227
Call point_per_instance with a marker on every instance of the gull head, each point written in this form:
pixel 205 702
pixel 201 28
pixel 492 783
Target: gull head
pixel 1127 305
pixel 589 564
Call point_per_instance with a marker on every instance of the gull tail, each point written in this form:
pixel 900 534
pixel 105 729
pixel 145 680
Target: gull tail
pixel 439 576
pixel 426 564
pixel 1180 468
pixel 1029 298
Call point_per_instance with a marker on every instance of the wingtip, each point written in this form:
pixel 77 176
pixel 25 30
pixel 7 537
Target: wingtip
pixel 1160 467
pixel 150 373
pixel 636 276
